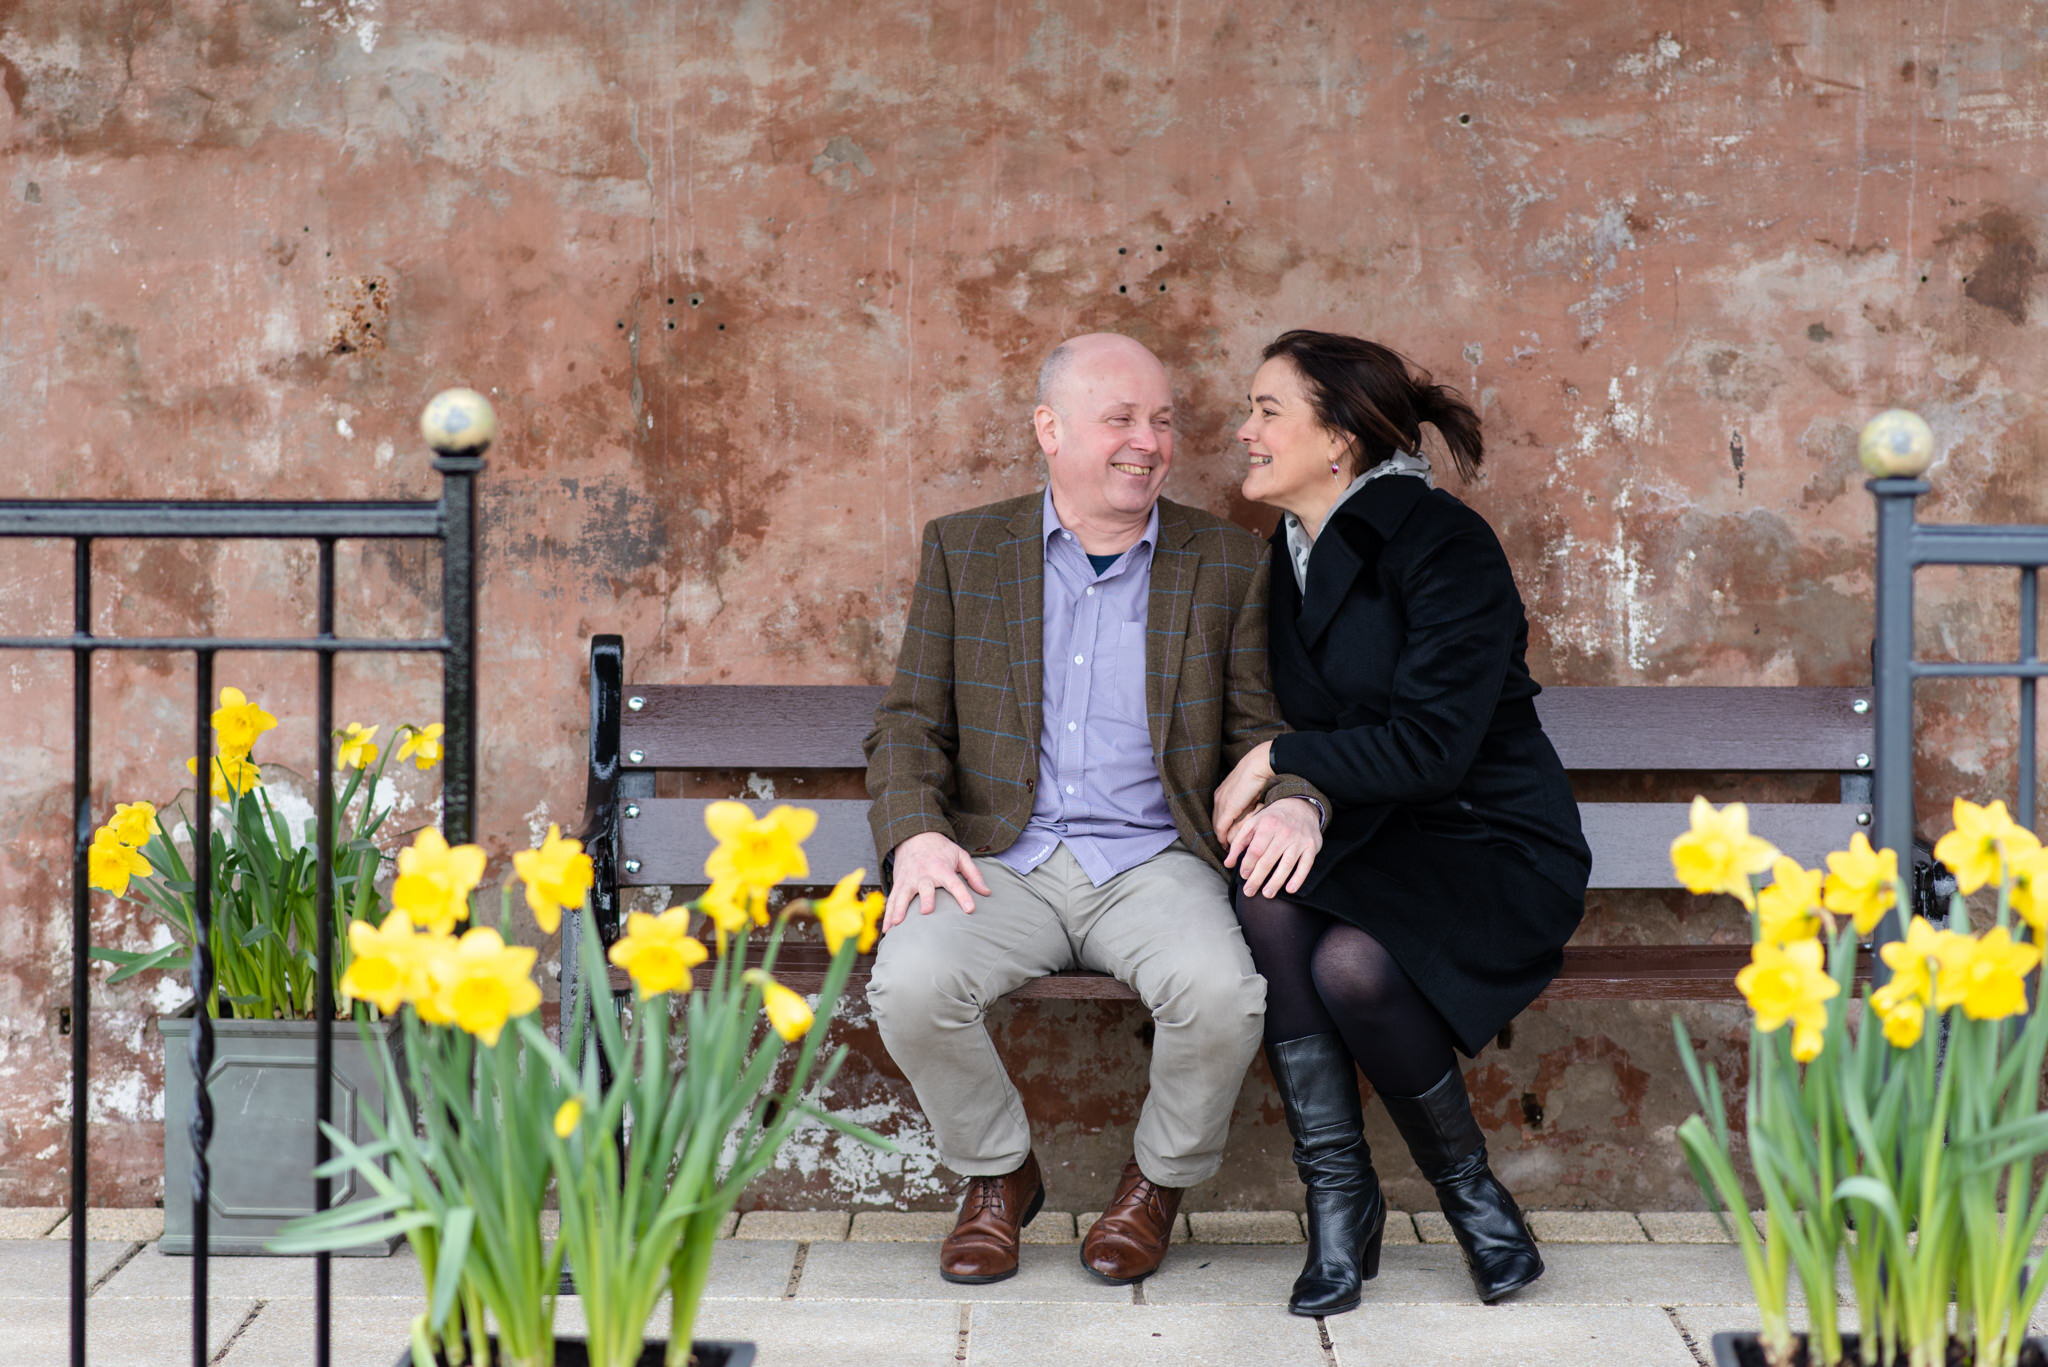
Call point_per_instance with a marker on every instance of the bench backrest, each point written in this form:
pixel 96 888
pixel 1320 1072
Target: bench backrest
pixel 640 730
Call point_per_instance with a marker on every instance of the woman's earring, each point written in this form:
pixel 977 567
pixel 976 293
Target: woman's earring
pixel 1336 471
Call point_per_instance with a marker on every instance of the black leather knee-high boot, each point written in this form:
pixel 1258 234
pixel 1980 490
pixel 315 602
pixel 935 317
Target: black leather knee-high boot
pixel 1451 1151
pixel 1347 1215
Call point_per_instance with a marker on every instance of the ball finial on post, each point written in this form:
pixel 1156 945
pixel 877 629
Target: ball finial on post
pixel 1896 444
pixel 458 422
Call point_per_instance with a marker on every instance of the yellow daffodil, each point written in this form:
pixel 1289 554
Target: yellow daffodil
pixel 657 952
pixel 731 904
pixel 788 1013
pixel 434 881
pixel 233 775
pixel 110 864
pixel 1987 976
pixel 1787 983
pixel 568 1116
pixel 422 745
pixel 357 748
pixel 1719 854
pixel 845 914
pixel 238 722
pixel 1910 961
pixel 388 964
pixel 1904 1021
pixel 1862 883
pixel 759 852
pixel 557 875
pixel 133 823
pixel 484 983
pixel 1983 841
pixel 2029 875
pixel 1785 909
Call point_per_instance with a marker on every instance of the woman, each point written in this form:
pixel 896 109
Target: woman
pixel 1452 869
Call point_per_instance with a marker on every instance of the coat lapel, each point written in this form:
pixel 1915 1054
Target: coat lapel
pixel 1020 576
pixel 1172 594
pixel 1374 513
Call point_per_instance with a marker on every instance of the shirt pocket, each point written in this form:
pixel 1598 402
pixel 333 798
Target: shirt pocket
pixel 1126 700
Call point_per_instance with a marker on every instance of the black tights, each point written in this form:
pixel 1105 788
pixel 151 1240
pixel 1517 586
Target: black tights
pixel 1326 976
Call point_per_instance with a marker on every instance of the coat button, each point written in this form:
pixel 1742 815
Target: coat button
pixel 981 849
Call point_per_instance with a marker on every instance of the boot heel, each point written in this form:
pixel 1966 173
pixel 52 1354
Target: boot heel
pixel 1369 1256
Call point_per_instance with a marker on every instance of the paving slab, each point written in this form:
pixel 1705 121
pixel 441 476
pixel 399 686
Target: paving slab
pixel 151 1274
pixel 28 1222
pixel 1432 1228
pixel 743 1269
pixel 1245 1227
pixel 902 1226
pixel 871 1334
pixel 867 1272
pixel 805 1226
pixel 38 1332
pixel 1585 1227
pixel 360 1333
pixel 36 1269
pixel 1641 1274
pixel 1701 1322
pixel 1225 1274
pixel 1034 1335
pixel 1400 1229
pixel 1053 1227
pixel 142 1225
pixel 1528 1336
pixel 1684 1227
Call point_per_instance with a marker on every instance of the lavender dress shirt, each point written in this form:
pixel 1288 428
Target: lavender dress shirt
pixel 1098 780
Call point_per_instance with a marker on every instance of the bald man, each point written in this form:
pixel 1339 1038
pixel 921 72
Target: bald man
pixel 1080 667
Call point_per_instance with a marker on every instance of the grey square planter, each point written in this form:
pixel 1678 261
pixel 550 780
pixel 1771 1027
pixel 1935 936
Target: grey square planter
pixel 261 1153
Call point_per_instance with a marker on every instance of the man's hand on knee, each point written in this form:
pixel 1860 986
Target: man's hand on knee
pixel 925 865
pixel 1273 848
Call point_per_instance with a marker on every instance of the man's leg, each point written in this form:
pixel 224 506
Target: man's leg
pixel 934 978
pixel 1167 929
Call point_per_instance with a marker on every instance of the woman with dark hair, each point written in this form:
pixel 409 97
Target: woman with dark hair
pixel 1452 869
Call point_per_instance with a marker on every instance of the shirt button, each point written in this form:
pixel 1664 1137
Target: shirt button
pixel 1091 591
pixel 1070 726
pixel 1070 790
pixel 1077 659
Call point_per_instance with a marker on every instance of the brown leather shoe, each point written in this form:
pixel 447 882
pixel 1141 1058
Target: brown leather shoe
pixel 1129 1241
pixel 983 1245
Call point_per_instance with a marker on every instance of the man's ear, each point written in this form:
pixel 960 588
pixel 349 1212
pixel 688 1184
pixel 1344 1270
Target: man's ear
pixel 1046 424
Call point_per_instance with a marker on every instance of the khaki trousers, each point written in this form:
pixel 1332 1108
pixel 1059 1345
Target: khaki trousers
pixel 1165 927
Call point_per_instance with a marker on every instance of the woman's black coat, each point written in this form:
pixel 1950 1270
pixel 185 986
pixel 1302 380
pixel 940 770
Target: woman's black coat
pixel 1455 841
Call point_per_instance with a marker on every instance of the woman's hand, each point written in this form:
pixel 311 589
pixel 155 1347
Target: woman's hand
pixel 1275 846
pixel 1238 794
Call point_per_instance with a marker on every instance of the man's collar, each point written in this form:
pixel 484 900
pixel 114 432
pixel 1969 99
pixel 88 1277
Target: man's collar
pixel 1052 524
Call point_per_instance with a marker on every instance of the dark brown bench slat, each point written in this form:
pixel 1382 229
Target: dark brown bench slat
pixel 1631 841
pixel 1694 729
pixel 748 726
pixel 1590 973
pixel 766 726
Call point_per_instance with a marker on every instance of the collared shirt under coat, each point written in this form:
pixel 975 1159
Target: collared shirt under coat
pixel 1098 780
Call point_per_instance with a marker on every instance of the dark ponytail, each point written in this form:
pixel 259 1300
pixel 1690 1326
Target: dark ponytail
pixel 1374 396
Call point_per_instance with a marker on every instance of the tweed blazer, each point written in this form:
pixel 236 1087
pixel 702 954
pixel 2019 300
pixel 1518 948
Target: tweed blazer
pixel 955 743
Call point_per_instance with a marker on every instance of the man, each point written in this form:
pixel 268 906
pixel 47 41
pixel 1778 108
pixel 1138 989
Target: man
pixel 1079 669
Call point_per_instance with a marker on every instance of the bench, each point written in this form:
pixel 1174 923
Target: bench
pixel 1733 740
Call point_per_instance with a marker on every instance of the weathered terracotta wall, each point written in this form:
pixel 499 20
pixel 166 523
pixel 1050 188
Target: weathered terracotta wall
pixel 760 287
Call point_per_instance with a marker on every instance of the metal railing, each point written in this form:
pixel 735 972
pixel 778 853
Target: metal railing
pixel 1905 544
pixel 449 520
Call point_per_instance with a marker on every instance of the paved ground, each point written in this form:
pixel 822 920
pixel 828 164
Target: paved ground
pixel 822 1289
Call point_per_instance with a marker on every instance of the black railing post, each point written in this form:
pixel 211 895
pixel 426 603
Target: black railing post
pixel 323 957
pixel 81 923
pixel 202 991
pixel 459 425
pixel 1892 670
